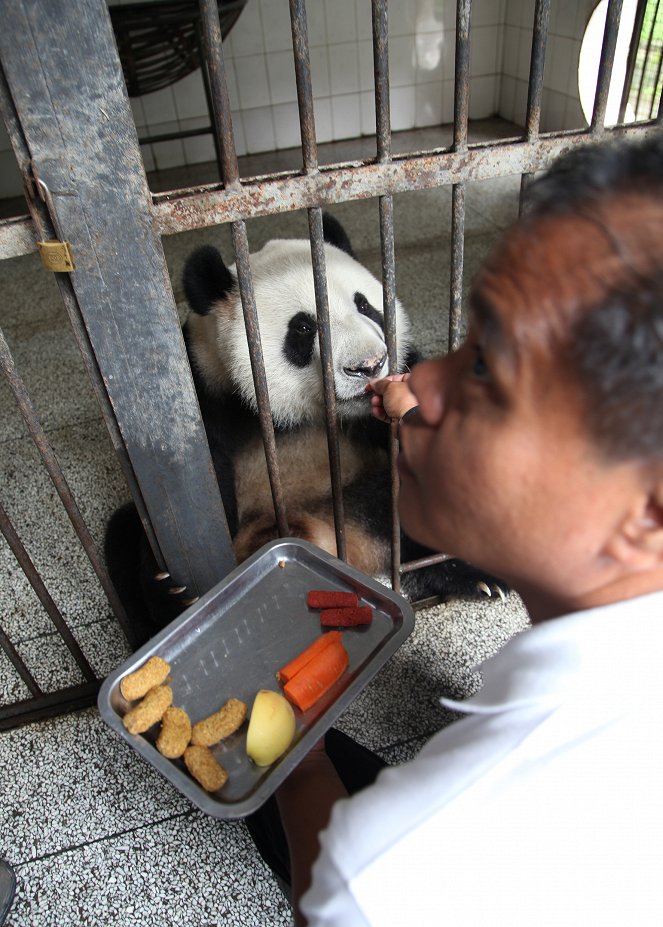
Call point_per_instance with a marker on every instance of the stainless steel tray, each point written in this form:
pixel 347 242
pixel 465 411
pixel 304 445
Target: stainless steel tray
pixel 232 642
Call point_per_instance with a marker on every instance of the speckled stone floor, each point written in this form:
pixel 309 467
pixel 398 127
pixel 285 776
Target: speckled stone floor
pixel 95 835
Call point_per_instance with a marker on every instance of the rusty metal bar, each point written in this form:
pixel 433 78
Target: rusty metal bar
pixel 425 561
pixel 57 476
pixel 208 205
pixel 632 56
pixel 327 363
pixel 460 147
pixel 49 705
pixel 605 66
pixel 535 88
pixel 190 209
pixel 304 86
pixel 241 248
pixel 20 667
pixel 40 589
pixel 391 337
pixel 381 71
pixel 213 60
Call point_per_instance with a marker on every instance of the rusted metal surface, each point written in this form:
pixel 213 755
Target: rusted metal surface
pixel 50 461
pixel 327 363
pixel 304 86
pixel 535 86
pixel 15 659
pixel 35 580
pixel 241 248
pixel 381 72
pixel 459 147
pixel 605 66
pixel 200 207
pixel 210 28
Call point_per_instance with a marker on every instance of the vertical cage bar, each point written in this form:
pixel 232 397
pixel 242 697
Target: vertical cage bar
pixel 213 61
pixel 605 66
pixel 50 461
pixel 381 69
pixel 461 111
pixel 327 361
pixel 535 88
pixel 304 86
pixel 35 580
pixel 241 248
pixel 213 52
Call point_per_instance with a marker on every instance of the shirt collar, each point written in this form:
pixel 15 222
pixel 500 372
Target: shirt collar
pixel 616 647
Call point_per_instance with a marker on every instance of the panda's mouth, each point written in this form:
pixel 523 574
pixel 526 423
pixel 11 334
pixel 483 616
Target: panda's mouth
pixel 367 369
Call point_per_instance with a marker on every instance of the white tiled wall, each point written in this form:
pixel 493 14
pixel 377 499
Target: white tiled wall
pixel 560 104
pixel 261 82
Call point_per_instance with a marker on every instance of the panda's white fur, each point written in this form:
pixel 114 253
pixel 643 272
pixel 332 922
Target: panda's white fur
pixel 283 285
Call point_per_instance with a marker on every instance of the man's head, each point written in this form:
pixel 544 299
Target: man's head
pixel 539 453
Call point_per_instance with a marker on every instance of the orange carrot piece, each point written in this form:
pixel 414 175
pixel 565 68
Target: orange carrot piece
pixel 286 672
pixel 317 677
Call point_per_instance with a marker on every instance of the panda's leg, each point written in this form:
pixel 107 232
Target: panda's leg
pixel 150 598
pixel 445 579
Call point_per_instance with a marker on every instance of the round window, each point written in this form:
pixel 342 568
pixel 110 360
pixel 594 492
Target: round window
pixel 590 56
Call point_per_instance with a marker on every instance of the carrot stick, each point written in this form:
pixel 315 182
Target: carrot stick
pixel 317 677
pixel 328 598
pixel 286 672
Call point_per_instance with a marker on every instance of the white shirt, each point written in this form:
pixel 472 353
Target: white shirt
pixel 542 807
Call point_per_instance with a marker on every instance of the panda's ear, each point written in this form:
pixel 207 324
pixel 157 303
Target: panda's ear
pixel 335 234
pixel 206 279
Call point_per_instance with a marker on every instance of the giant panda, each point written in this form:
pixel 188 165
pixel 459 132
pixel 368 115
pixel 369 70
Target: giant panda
pixel 216 343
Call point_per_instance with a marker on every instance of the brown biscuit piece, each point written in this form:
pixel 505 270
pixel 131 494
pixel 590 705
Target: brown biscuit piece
pixel 148 711
pixel 137 684
pixel 222 723
pixel 204 768
pixel 175 733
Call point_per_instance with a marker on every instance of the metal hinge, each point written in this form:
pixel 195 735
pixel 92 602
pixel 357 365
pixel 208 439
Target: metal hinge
pixel 56 256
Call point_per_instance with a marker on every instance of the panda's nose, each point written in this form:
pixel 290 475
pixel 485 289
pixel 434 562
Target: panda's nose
pixel 368 368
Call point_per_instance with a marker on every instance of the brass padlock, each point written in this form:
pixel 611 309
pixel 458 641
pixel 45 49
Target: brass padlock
pixel 56 256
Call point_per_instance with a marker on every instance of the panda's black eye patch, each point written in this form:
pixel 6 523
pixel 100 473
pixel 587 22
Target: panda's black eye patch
pixel 300 339
pixel 365 308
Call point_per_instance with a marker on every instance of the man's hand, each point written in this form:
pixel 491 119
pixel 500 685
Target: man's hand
pixel 392 397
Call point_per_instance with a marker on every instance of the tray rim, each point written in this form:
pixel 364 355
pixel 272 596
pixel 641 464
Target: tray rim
pixel 181 781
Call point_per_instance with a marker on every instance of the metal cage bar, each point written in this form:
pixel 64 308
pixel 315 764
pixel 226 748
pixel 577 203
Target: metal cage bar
pixel 535 85
pixel 45 145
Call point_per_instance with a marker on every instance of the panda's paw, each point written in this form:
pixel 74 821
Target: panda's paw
pixel 493 590
pixel 174 597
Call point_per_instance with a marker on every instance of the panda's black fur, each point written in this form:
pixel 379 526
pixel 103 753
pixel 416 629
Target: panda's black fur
pixel 215 339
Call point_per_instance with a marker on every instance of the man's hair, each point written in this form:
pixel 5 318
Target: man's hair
pixel 615 345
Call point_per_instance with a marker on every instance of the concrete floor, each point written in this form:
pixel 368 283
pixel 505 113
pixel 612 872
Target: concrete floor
pixel 95 835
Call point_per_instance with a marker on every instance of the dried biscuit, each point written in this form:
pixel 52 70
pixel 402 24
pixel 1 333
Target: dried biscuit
pixel 222 723
pixel 202 765
pixel 175 733
pixel 149 710
pixel 146 677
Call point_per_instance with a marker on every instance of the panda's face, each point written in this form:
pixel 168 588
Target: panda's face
pixel 285 301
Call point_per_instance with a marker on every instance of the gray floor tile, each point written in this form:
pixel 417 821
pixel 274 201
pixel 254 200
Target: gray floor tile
pixel 189 871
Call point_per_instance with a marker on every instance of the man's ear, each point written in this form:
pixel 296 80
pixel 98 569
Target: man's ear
pixel 641 543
